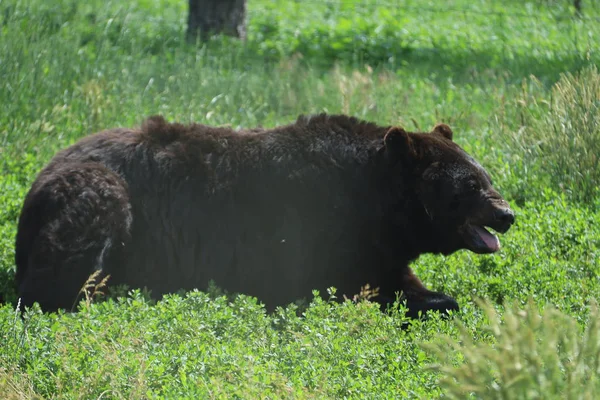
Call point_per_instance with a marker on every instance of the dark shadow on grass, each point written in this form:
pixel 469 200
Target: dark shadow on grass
pixel 436 64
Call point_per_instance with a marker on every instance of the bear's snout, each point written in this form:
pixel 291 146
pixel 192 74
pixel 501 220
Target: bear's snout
pixel 504 217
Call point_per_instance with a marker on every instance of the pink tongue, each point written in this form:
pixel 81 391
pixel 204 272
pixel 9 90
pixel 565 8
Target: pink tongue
pixel 490 240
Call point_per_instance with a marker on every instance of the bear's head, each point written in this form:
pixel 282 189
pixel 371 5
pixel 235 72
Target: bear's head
pixel 451 191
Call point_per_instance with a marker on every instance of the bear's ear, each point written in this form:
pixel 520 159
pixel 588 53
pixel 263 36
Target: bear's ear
pixel 443 130
pixel 398 143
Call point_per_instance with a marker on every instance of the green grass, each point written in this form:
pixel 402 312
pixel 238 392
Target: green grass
pixel 512 80
pixel 534 355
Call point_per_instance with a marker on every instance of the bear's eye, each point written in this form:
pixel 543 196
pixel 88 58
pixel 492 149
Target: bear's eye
pixel 473 187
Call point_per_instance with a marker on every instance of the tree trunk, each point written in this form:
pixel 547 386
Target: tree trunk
pixel 208 17
pixel 577 4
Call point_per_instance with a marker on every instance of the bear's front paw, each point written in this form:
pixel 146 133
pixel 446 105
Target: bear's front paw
pixel 433 301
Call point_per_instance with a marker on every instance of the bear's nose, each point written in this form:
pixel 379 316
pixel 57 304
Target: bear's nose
pixel 505 215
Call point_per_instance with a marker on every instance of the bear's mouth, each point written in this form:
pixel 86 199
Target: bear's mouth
pixel 479 240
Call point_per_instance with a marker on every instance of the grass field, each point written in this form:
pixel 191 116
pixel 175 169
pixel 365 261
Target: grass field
pixel 518 84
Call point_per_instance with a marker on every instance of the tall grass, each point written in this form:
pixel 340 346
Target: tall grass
pixel 530 355
pixel 559 134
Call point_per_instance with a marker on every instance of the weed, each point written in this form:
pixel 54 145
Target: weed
pixel 559 134
pixel 530 355
pixel 92 289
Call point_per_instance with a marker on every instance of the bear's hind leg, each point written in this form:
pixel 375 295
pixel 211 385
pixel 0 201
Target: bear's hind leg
pixel 75 219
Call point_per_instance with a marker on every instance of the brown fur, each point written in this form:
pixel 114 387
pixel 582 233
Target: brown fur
pixel 274 213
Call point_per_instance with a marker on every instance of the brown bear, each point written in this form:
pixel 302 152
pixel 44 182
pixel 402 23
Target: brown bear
pixel 329 200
